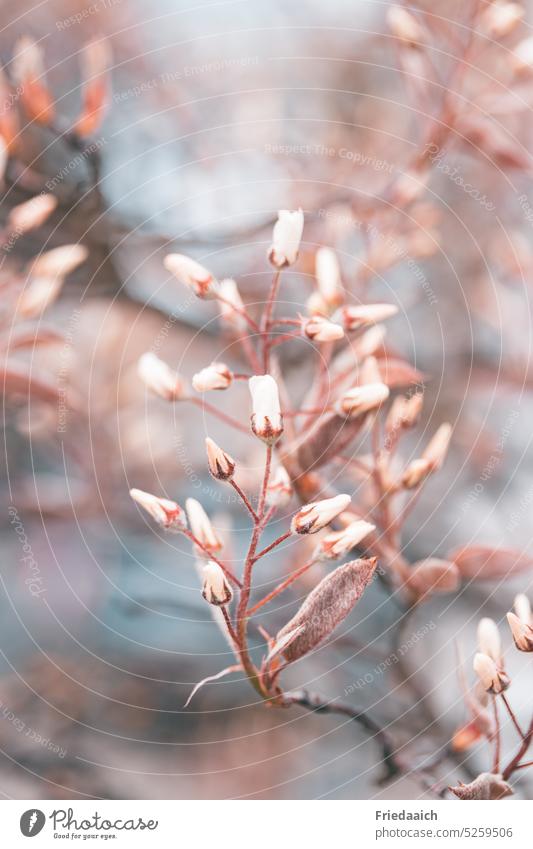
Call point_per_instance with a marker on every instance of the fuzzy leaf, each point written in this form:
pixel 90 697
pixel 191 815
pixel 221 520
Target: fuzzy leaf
pixel 330 437
pixel 326 606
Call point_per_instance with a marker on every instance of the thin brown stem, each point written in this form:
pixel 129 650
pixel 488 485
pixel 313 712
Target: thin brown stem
pixel 244 498
pixel 280 588
pixel 242 312
pixel 315 703
pixel 210 408
pixel 497 738
pixel 513 763
pixel 272 545
pixel 229 626
pixel 228 573
pixel 511 713
pixel 267 318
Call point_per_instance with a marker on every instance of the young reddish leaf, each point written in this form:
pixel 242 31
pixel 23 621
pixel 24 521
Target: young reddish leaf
pixel 433 576
pixel 485 563
pixel 396 373
pixel 17 380
pixel 326 607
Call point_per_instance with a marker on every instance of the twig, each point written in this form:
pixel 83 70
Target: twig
pixel 497 737
pixel 244 499
pixel 315 703
pixel 272 545
pixel 205 405
pixel 511 713
pixel 280 588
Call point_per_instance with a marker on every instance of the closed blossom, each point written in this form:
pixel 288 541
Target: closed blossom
pixel 191 274
pixel 215 588
pixel 201 526
pixel 339 543
pixel 266 419
pixel 215 376
pixel 221 465
pixel 493 679
pixel 160 378
pixel 319 329
pixel 166 513
pixel 279 490
pixel 363 399
pixel 328 278
pixel 286 238
pixel 315 516
pixel 363 315
pixel 488 639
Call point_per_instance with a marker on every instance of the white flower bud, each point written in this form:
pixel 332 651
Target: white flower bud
pixel 286 238
pixel 522 633
pixel 437 448
pixel 362 399
pixel 166 513
pixel 404 26
pixel 160 378
pixel 415 473
pixel 522 608
pixel 215 376
pixel 488 638
pixel 231 307
pixel 404 412
pixel 32 213
pixel 501 18
pixel 221 465
pixel 339 543
pixel 216 590
pixel 59 262
pixel 267 421
pixel 355 317
pixel 319 329
pixel 279 489
pixel 493 680
pixel 328 277
pixel 201 526
pixel 191 274
pixel 313 517
pixel 522 56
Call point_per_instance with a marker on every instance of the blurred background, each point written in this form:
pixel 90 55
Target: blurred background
pixel 219 114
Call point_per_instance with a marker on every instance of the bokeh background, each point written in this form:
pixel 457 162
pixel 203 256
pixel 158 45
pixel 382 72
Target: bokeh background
pixel 220 114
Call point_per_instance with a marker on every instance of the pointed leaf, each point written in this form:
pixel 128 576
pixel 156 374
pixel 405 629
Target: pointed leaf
pixel 326 607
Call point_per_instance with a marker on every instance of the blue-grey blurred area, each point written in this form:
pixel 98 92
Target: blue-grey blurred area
pixel 220 114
